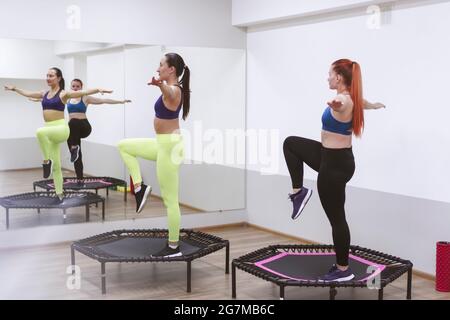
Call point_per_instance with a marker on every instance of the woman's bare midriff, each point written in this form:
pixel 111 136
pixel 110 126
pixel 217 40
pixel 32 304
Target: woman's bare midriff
pixel 333 140
pixel 53 115
pixel 164 126
pixel 77 115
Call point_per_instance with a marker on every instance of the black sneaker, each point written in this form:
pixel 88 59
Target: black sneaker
pixel 48 167
pixel 80 183
pixel 168 252
pixel 141 197
pixel 299 201
pixel 74 153
pixel 59 199
pixel 337 275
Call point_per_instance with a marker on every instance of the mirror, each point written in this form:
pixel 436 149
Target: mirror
pixel 211 176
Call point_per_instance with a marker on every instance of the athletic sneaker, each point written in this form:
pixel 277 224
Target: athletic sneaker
pixel 74 153
pixel 48 167
pixel 80 183
pixel 168 252
pixel 299 200
pixel 141 197
pixel 337 275
pixel 60 198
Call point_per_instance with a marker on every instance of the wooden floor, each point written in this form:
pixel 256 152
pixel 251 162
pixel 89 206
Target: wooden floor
pixel 21 181
pixel 40 273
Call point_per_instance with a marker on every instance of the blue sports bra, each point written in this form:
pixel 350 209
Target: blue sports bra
pixel 79 107
pixel 329 123
pixel 162 112
pixel 54 103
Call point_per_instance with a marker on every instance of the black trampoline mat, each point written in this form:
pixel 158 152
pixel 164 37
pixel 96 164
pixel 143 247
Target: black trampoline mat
pixel 309 266
pixel 89 183
pixel 48 200
pixel 134 248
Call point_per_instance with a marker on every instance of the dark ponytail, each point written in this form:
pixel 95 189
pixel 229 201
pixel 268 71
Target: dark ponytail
pixel 62 82
pixel 176 61
pixel 186 91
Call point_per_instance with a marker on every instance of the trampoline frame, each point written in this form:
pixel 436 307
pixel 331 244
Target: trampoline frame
pixel 91 199
pixel 43 184
pixel 86 247
pixel 247 263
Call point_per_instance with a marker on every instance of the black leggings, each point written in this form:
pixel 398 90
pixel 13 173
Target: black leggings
pixel 335 168
pixel 79 129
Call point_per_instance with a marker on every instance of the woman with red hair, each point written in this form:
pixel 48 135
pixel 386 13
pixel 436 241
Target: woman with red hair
pixel 332 158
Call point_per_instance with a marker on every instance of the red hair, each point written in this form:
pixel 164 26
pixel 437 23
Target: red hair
pixel 351 72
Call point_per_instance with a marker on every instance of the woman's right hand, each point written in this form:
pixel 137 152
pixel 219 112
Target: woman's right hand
pixel 379 105
pixel 10 88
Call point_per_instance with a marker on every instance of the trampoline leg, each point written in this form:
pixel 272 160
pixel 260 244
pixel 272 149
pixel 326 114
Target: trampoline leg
pixel 72 259
pixel 34 187
pixel 64 215
pixel 409 284
pixel 380 294
pixel 188 276
pixel 233 281
pixel 103 210
pixel 333 293
pixel 39 211
pixel 87 212
pixel 227 259
pixel 103 277
pixel 107 192
pixel 96 192
pixel 7 218
pixel 281 292
pixel 125 193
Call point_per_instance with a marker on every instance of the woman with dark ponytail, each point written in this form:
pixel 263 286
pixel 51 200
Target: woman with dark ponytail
pixel 167 148
pixel 56 129
pixel 332 158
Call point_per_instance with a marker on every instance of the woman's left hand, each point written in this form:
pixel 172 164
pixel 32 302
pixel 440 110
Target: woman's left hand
pixel 102 91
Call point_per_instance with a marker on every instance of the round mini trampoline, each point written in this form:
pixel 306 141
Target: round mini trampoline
pixel 139 245
pixel 49 200
pixel 301 265
pixel 94 183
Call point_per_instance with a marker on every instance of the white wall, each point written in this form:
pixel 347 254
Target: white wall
pixel 402 145
pixel 106 70
pixel 25 59
pixel 257 13
pixel 140 65
pixel 217 102
pixel 252 12
pixel 203 23
pixel 20 116
pixel 27 71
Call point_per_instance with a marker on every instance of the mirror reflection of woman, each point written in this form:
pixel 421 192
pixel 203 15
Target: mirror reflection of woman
pixel 166 149
pixel 56 129
pixel 80 128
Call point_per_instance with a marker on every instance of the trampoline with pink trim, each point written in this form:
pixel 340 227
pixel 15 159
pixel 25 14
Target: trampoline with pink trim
pixel 301 265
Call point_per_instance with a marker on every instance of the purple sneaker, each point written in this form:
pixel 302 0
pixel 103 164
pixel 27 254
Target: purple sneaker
pixel 299 200
pixel 337 275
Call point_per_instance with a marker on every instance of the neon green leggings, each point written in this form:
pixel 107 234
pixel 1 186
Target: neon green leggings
pixel 167 151
pixel 49 137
